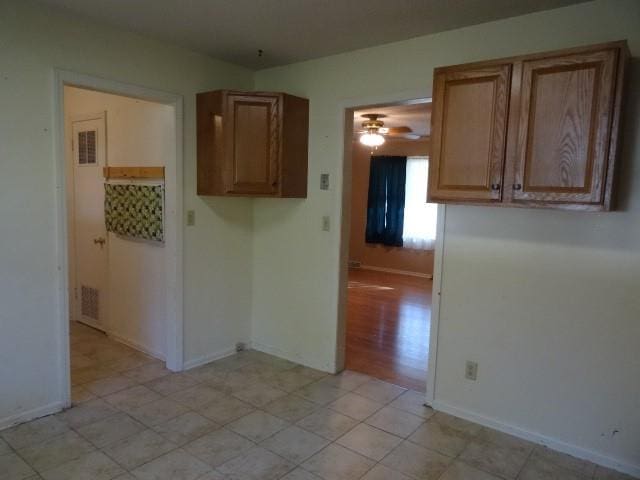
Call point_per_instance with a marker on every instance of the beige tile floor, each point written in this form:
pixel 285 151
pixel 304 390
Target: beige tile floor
pixel 254 416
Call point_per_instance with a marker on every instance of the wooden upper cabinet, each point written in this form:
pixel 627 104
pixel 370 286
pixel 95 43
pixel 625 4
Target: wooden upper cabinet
pixel 252 144
pixel 252 138
pixel 469 129
pixel 564 126
pixel 550 140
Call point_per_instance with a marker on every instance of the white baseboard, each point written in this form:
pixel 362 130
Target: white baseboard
pixel 209 357
pixel 32 414
pixel 292 357
pixel 397 272
pixel 137 346
pixel 573 450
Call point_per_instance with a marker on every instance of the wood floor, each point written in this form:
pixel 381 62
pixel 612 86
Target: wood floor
pixel 388 327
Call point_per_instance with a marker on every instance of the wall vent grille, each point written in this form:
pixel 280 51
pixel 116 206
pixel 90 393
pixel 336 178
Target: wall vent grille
pixel 87 147
pixel 90 302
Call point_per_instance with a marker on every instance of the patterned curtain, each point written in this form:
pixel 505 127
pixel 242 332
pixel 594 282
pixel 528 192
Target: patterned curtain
pixel 134 210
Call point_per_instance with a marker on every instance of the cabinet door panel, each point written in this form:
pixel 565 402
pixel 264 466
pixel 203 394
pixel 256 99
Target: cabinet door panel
pixel 469 133
pixel 564 128
pixel 252 131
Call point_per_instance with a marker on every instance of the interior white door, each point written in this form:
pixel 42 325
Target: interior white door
pixel 90 236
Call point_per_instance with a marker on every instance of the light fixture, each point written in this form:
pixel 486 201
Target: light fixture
pixel 371 139
pixel 372 128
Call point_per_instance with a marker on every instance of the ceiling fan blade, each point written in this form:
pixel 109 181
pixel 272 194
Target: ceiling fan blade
pixel 406 136
pixel 399 130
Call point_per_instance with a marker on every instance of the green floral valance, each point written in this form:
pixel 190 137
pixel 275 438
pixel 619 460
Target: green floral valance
pixel 134 210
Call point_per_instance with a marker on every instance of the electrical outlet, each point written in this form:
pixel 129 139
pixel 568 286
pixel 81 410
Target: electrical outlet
pixel 326 223
pixel 324 181
pixel 191 217
pixel 471 370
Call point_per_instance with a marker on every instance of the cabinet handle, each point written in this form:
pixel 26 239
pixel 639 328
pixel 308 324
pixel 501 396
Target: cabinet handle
pixel 517 186
pixel 495 186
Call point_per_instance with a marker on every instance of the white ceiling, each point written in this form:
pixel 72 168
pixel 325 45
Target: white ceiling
pixel 293 30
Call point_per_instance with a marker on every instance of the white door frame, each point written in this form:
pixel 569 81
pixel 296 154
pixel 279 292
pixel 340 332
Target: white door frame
pixel 173 219
pixel 436 299
pixel 344 214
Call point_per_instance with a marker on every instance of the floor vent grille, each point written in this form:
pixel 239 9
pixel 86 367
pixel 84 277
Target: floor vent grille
pixel 90 302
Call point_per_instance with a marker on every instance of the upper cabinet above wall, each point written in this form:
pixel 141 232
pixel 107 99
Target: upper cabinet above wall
pixel 252 144
pixel 535 131
pixel 469 126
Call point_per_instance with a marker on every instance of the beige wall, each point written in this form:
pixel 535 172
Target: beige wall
pixel 418 261
pixel 545 301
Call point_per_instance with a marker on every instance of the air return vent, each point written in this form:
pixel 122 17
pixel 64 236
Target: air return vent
pixel 89 302
pixel 87 147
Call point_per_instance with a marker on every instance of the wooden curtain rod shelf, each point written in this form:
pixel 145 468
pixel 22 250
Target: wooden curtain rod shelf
pixel 133 172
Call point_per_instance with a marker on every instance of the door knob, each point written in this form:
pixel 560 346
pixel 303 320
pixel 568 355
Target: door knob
pixel 495 186
pixel 100 241
pixel 517 186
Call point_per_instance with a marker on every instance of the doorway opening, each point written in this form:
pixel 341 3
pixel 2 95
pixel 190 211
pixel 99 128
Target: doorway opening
pixel 387 286
pixel 119 160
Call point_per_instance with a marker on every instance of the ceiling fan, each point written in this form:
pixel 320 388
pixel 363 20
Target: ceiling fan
pixel 374 131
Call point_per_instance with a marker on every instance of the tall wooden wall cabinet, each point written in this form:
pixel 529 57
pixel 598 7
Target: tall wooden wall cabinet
pixel 537 130
pixel 252 144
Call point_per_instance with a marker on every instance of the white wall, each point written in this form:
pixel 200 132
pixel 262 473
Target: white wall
pixel 547 302
pixel 139 133
pixel 33 41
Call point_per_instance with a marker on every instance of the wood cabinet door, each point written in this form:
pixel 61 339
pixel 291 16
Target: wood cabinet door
pixel 469 129
pixel 564 122
pixel 252 144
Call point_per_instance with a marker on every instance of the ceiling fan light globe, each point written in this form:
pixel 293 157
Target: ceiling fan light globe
pixel 371 139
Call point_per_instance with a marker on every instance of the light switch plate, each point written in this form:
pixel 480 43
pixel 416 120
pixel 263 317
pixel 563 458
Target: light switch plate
pixel 471 370
pixel 326 223
pixel 324 181
pixel 191 217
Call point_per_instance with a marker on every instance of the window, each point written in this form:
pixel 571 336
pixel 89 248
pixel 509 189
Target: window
pixel 419 232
